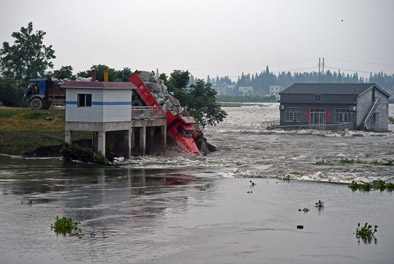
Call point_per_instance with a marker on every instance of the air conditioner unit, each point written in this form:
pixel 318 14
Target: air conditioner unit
pixel 281 107
pixel 353 108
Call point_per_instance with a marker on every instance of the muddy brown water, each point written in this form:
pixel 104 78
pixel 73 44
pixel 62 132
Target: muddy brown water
pixel 197 210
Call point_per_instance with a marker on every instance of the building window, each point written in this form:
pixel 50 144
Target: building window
pixel 342 115
pixel 84 100
pixel 317 97
pixel 293 114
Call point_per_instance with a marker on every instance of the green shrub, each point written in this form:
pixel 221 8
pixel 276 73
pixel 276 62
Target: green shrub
pixel 366 232
pixel 75 152
pixel 66 226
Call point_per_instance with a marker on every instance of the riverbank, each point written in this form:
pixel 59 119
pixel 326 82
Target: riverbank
pixel 23 131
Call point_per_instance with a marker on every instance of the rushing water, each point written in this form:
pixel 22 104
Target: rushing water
pixel 203 209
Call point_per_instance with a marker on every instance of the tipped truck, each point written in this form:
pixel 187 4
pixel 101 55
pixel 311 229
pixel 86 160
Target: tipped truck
pixel 179 128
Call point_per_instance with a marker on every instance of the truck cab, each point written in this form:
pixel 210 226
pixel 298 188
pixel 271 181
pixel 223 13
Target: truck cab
pixel 181 131
pixel 36 93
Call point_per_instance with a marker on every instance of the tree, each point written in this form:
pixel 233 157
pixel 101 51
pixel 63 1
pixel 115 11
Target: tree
pixel 178 80
pixel 99 72
pixel 28 58
pixel 10 94
pixel 65 72
pixel 201 103
pixel 199 99
pixel 124 74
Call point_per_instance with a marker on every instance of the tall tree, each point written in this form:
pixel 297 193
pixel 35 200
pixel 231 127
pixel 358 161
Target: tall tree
pixel 201 103
pixel 28 57
pixel 65 72
pixel 100 68
pixel 123 75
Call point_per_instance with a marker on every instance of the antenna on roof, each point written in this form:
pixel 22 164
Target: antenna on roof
pixel 321 73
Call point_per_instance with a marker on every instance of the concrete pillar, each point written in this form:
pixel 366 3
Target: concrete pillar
pixel 95 140
pixel 127 143
pixel 132 133
pixel 143 140
pixel 163 135
pixel 101 142
pixel 68 136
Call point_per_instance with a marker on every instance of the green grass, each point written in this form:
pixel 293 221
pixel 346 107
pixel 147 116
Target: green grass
pixel 23 130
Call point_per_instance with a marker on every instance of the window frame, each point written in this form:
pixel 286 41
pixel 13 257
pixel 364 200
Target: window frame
pixel 293 114
pixel 342 115
pixel 84 100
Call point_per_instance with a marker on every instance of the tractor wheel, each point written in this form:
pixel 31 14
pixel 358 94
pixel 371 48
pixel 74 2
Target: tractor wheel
pixel 36 103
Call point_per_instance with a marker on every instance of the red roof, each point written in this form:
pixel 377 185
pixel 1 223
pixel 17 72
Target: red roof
pixel 100 85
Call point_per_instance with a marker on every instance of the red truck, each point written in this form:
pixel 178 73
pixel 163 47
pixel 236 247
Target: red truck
pixel 180 129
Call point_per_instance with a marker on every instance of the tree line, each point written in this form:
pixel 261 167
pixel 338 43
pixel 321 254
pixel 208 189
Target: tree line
pixel 260 82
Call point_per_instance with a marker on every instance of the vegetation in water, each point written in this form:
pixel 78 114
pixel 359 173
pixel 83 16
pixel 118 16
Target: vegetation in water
pixel 366 233
pixel 374 185
pixel 305 210
pixel 287 178
pixel 323 162
pixel 319 204
pixel 357 161
pixel 66 226
pixel 75 152
pixel 205 187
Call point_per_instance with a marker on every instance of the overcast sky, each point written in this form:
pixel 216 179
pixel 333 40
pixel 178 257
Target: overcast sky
pixel 211 37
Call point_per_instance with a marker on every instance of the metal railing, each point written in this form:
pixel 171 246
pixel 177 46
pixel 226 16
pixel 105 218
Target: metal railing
pixel 269 124
pixel 147 112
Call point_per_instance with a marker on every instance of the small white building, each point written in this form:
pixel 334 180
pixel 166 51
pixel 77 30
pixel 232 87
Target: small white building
pixel 99 107
pixel 275 90
pixel 246 90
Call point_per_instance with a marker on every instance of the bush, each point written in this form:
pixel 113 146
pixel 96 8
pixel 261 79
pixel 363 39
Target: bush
pixel 75 152
pixel 10 93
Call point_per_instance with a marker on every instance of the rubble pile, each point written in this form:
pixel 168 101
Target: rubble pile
pixel 160 92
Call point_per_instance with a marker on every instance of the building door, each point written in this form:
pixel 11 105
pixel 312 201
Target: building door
pixel 317 118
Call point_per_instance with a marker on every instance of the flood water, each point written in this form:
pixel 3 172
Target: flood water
pixel 186 209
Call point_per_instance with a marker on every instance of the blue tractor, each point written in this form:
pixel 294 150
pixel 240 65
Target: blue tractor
pixel 43 93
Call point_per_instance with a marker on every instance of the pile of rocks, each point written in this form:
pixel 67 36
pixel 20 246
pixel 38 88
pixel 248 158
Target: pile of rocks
pixel 160 92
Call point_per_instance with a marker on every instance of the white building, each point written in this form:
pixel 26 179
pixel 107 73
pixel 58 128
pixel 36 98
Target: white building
pixel 246 90
pixel 275 90
pixel 99 107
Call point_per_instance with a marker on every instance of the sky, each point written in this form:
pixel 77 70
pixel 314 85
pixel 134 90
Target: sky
pixel 211 37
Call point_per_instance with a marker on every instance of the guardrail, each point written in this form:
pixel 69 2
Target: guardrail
pixel 147 112
pixel 269 124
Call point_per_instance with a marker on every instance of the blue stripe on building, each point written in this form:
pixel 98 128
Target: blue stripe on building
pixel 111 103
pixel 100 103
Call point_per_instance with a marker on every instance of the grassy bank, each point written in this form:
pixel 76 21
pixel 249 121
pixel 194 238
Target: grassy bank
pixel 23 130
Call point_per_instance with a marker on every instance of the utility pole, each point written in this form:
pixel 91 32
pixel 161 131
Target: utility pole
pixel 322 75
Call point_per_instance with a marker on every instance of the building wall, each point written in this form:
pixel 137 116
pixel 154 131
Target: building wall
pixel 117 105
pixel 107 105
pixel 324 99
pixel 378 122
pixel 305 113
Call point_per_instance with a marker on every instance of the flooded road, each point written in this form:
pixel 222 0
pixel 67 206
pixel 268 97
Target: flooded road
pixel 181 209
